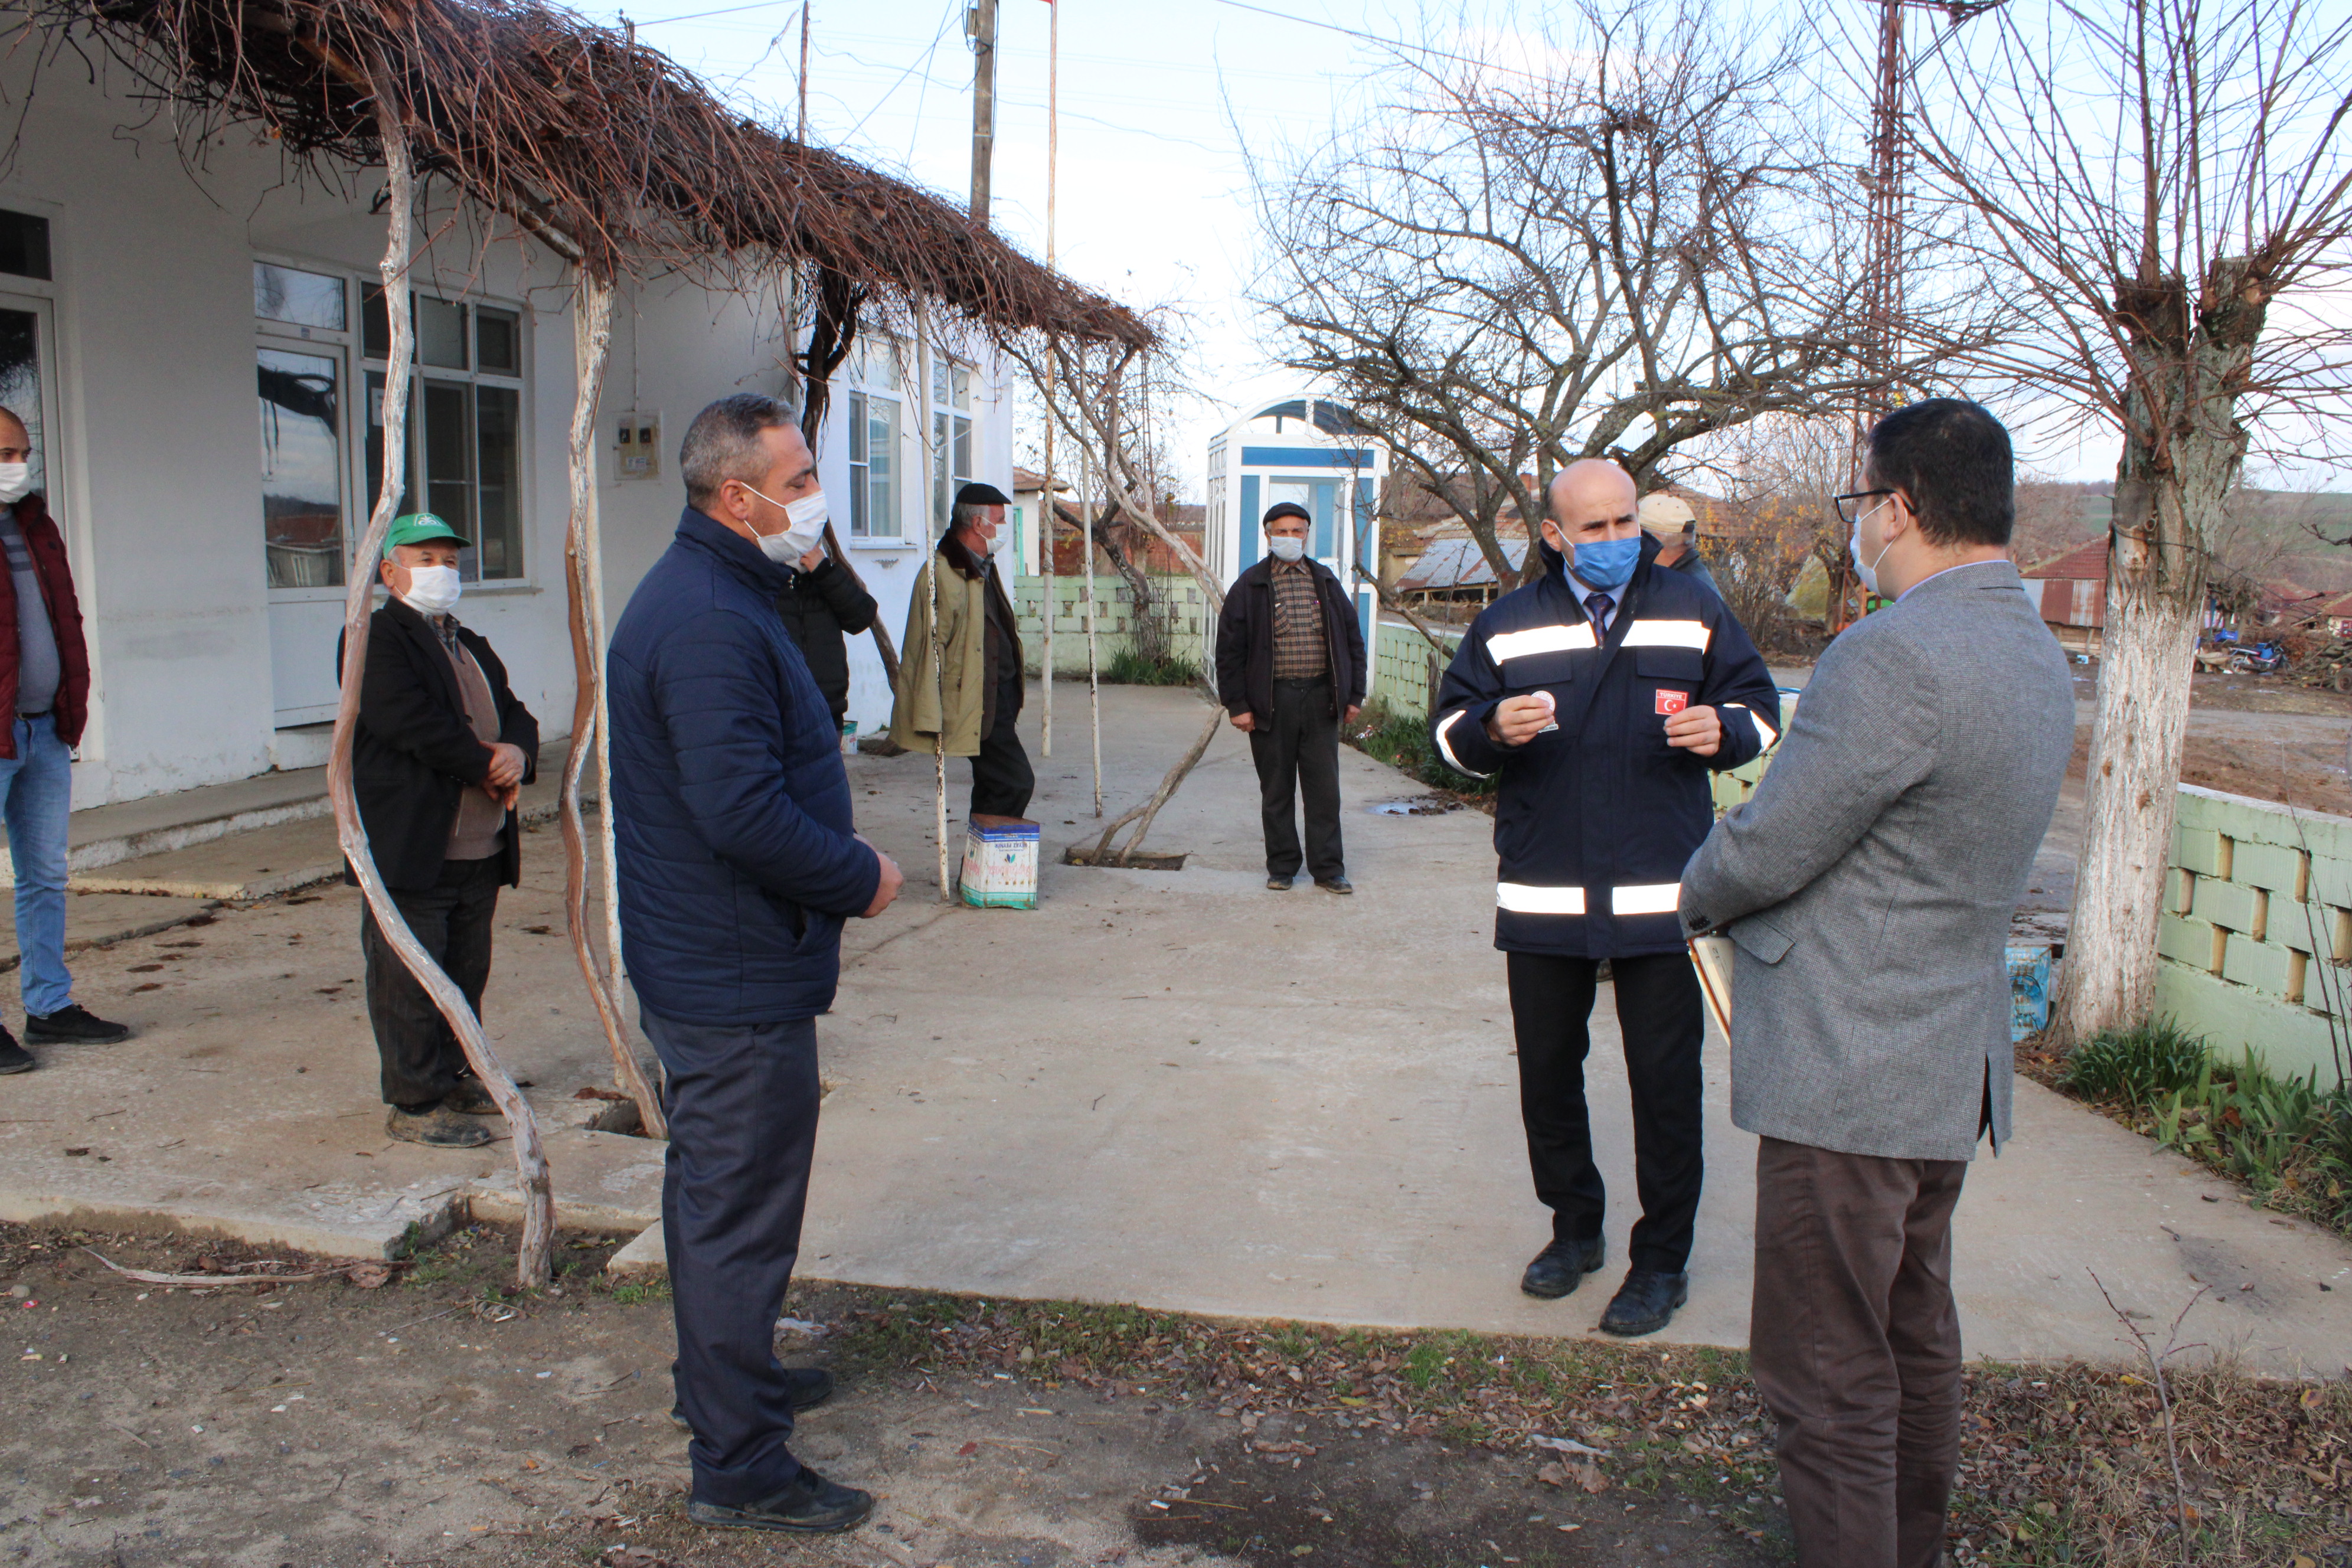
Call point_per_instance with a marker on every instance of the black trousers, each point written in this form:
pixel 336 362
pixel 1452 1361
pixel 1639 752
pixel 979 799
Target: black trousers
pixel 1658 1012
pixel 1298 754
pixel 1002 779
pixel 453 918
pixel 742 1102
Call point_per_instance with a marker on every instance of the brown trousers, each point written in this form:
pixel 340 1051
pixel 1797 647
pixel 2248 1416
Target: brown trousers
pixel 1855 1347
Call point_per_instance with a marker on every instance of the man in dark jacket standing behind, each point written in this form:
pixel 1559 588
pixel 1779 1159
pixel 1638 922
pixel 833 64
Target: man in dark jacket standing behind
pixel 737 863
pixel 438 760
pixel 1290 670
pixel 823 607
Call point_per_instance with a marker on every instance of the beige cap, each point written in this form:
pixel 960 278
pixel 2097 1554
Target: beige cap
pixel 1666 512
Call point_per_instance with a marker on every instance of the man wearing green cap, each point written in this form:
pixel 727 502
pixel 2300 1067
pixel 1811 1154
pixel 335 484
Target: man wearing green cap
pixel 438 761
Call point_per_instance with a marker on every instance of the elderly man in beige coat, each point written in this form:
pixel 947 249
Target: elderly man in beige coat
pixel 1869 888
pixel 970 692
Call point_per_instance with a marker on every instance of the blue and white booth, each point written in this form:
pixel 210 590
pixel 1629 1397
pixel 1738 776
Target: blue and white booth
pixel 1314 453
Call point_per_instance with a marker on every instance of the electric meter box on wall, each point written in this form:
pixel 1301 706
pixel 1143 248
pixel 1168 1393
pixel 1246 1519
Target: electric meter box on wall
pixel 636 445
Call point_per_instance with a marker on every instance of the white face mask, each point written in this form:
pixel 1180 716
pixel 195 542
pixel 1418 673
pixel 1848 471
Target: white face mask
pixel 433 590
pixel 804 523
pixel 1869 575
pixel 1285 547
pixel 16 482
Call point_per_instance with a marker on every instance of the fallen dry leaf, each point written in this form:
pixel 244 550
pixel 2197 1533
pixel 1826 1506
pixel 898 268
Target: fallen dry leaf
pixel 1553 1475
pixel 370 1276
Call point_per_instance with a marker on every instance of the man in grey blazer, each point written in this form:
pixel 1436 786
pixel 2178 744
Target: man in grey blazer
pixel 1869 888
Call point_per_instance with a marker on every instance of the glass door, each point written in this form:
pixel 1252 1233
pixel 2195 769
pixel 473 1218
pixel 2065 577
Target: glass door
pixel 302 397
pixel 23 392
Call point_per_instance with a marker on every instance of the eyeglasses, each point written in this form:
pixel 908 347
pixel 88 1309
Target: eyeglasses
pixel 1846 512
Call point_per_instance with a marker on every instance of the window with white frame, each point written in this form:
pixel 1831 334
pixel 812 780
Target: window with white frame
pixel 952 446
pixel 465 424
pixel 301 372
pixel 874 448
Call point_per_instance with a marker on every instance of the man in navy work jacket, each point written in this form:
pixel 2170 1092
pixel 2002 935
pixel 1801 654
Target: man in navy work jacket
pixel 1603 693
pixel 737 864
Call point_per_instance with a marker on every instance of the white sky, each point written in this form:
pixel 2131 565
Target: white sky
pixel 1158 104
pixel 1153 206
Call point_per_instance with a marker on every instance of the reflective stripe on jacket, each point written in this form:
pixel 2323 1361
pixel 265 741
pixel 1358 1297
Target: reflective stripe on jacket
pixel 1595 820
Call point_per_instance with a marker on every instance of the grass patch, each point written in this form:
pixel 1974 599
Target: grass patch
pixel 1402 740
pixel 2286 1139
pixel 2059 1465
pixel 1129 668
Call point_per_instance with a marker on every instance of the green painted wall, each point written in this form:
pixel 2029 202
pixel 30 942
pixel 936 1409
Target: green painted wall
pixel 2256 941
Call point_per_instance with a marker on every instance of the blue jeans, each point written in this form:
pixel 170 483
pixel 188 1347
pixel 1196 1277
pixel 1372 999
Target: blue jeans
pixel 36 798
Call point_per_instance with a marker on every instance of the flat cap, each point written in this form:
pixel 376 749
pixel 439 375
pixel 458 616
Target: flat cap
pixel 1283 509
pixel 979 494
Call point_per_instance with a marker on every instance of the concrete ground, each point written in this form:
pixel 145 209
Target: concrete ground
pixel 1179 1089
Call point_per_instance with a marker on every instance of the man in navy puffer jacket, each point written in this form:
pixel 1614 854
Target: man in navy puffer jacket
pixel 737 864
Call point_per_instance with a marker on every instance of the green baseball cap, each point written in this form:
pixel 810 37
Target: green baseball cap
pixel 423 528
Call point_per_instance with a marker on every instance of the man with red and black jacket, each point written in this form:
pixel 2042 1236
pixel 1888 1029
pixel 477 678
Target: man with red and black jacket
pixel 1290 671
pixel 1601 697
pixel 45 689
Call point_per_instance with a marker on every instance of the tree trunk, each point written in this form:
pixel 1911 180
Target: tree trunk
pixel 2183 451
pixel 2149 648
pixel 591 344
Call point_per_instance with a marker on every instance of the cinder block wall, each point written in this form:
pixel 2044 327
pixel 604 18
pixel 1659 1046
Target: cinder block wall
pixel 2256 940
pixel 1194 631
pixel 1732 788
pixel 1401 660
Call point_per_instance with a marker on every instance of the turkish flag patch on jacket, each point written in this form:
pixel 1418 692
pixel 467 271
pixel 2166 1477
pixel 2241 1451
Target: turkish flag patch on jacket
pixel 1672 702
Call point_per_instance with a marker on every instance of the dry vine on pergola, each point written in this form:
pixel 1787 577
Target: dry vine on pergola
pixel 619 161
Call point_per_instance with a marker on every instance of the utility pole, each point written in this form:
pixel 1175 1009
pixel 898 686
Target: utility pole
pixel 1882 246
pixel 1045 535
pixel 981 23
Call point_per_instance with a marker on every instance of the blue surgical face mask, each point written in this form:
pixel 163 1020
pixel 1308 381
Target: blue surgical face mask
pixel 1606 562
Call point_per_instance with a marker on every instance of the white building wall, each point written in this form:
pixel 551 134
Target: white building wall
pixel 153 459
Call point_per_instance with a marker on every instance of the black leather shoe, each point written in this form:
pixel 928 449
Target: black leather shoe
pixel 810 1505
pixel 14 1057
pixel 1279 884
pixel 806 1386
pixel 73 1025
pixel 438 1128
pixel 1336 885
pixel 1561 1268
pixel 1645 1303
pixel 471 1097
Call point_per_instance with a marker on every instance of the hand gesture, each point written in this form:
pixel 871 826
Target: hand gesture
pixel 506 767
pixel 1244 721
pixel 1699 730
pixel 1519 720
